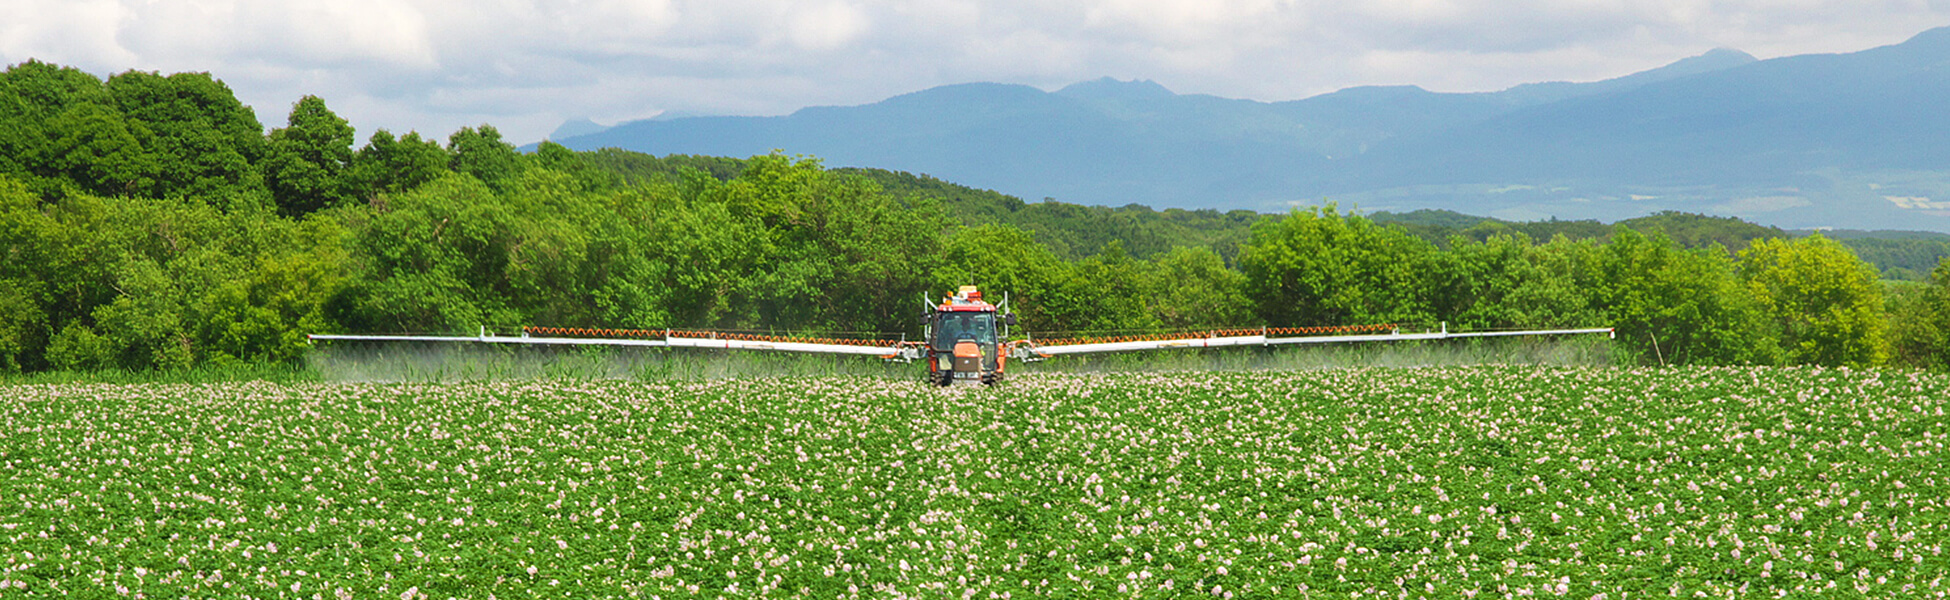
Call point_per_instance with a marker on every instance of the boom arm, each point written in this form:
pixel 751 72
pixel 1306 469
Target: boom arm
pixel 909 351
pixel 890 350
pixel 1028 350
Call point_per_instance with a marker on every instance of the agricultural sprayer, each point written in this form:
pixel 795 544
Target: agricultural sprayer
pixel 965 340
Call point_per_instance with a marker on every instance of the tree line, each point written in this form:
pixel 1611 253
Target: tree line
pixel 150 222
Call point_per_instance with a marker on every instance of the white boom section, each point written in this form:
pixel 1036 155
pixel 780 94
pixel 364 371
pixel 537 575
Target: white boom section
pixel 668 342
pixel 684 342
pixel 1260 340
pixel 1211 342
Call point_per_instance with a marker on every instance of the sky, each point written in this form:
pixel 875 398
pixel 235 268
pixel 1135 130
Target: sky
pixel 524 66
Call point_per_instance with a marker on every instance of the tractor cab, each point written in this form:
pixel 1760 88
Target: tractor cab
pixel 963 340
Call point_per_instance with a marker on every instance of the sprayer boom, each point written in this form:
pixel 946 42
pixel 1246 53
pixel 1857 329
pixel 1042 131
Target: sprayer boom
pixel 964 339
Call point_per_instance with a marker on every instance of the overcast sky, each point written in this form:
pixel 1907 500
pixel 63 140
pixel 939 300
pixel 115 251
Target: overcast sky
pixel 525 66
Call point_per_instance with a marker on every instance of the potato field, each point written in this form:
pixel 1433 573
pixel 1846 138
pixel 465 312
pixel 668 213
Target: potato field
pixel 1474 482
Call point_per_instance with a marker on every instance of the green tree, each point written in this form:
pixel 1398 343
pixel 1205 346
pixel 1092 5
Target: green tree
pixel 59 128
pixel 1112 284
pixel 1002 259
pixel 702 252
pixel 290 269
pixel 24 256
pixel 307 160
pixel 388 165
pixel 1821 301
pixel 69 252
pixel 207 144
pixel 480 153
pixel 1908 256
pixel 1191 288
pixel 92 147
pixel 637 168
pixel 839 254
pixel 1317 267
pixel 431 260
pixel 1916 323
pixel 21 322
pixel 1919 321
pixel 156 283
pixel 144 326
pixel 1507 282
pixel 560 159
pixel 78 348
pixel 1669 304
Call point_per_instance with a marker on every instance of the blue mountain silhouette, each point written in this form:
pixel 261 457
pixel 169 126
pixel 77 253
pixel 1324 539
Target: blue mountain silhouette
pixel 1852 140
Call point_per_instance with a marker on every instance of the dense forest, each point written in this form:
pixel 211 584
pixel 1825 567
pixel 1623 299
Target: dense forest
pixel 150 221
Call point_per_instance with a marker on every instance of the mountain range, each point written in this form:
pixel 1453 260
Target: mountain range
pixel 1854 140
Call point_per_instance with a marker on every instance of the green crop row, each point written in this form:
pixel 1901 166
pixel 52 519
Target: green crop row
pixel 1426 482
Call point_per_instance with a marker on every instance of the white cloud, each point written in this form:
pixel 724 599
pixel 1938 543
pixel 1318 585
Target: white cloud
pixel 81 32
pixel 525 65
pixel 1175 22
pixel 303 34
pixel 828 26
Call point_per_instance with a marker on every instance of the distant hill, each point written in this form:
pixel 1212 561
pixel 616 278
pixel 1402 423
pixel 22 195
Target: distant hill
pixel 1847 141
pixel 1074 231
